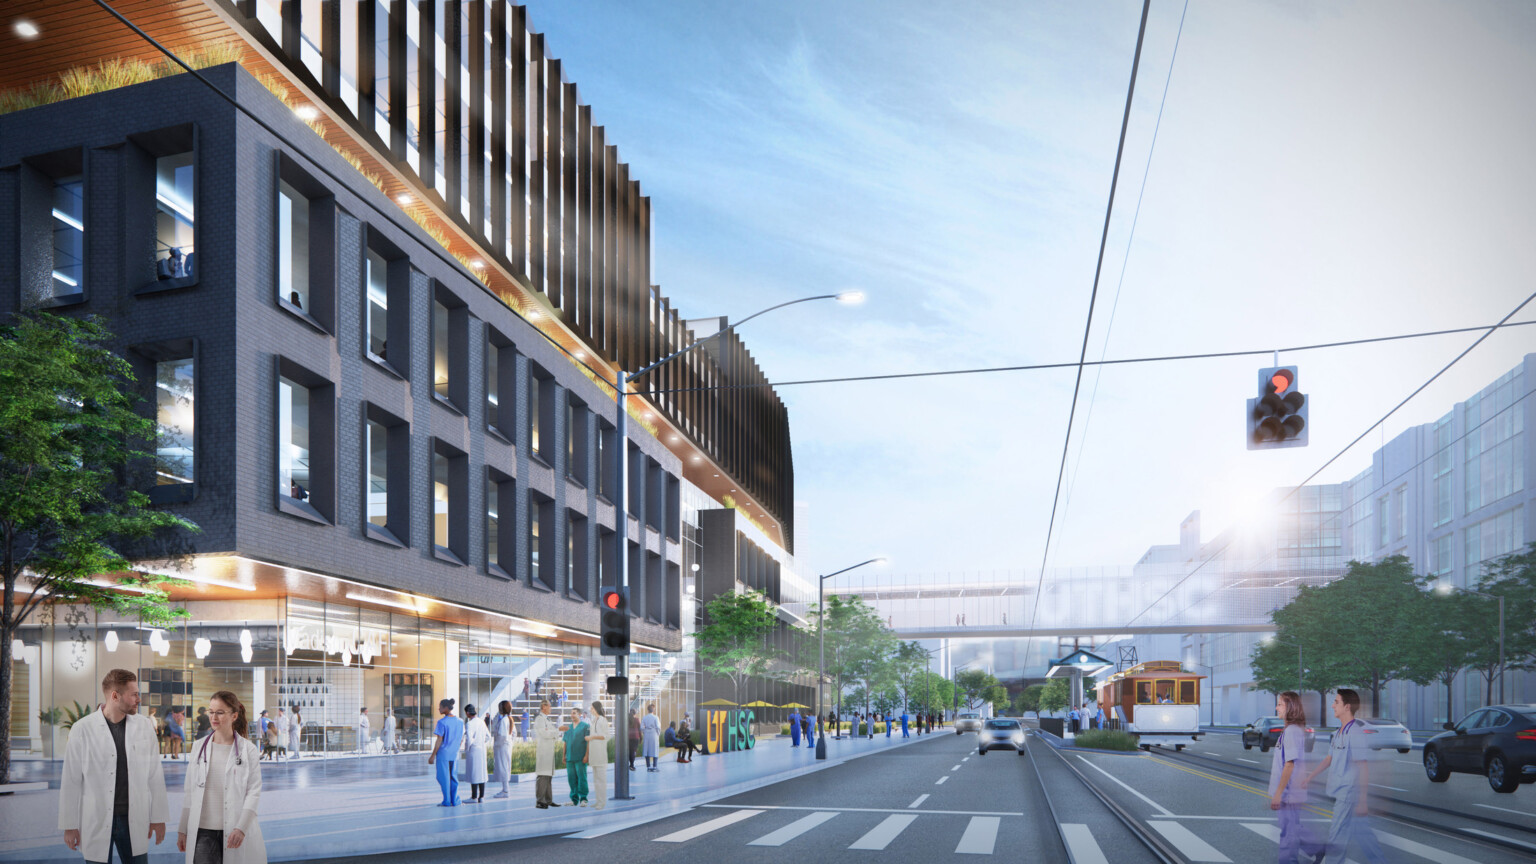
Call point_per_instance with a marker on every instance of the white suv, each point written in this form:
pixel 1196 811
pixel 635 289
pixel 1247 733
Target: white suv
pixel 969 722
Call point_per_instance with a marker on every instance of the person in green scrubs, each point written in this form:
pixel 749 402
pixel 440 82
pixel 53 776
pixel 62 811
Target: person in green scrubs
pixel 576 758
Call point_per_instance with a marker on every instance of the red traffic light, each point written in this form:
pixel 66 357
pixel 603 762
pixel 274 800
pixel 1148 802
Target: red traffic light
pixel 1281 381
pixel 612 600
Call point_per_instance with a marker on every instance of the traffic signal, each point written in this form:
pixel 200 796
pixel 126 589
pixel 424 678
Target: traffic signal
pixel 1278 417
pixel 614 632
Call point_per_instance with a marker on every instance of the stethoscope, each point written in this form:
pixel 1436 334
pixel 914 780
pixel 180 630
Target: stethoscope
pixel 202 758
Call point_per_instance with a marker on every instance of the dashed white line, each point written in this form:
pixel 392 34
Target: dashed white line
pixel 1249 761
pixel 956 768
pixel 919 802
pixel 941 780
pixel 1393 788
pixel 966 759
pixel 1501 809
pixel 1209 753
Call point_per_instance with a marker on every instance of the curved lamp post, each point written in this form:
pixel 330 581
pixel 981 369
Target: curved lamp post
pixel 621 513
pixel 821 647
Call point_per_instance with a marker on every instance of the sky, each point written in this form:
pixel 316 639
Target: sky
pixel 1322 172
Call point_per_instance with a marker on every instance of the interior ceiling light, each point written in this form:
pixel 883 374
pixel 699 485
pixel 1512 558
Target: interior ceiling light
pixel 111 640
pixel 306 112
pixel 477 264
pixel 202 646
pixel 404 198
pixel 26 29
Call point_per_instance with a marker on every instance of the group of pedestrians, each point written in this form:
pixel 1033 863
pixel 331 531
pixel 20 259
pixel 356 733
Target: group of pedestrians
pixel 112 794
pixel 1348 765
pixel 808 726
pixel 1078 718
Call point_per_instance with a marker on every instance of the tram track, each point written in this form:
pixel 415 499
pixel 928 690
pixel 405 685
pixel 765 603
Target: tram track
pixel 1154 843
pixel 1261 777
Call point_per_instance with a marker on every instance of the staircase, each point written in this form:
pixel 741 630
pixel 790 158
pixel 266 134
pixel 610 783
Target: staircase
pixel 648 681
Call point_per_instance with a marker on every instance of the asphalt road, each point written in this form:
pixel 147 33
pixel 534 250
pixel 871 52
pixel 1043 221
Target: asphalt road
pixel 934 799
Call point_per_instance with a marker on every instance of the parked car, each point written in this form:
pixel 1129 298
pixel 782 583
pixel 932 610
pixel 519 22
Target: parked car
pixel 1392 735
pixel 968 722
pixel 1264 733
pixel 1001 733
pixel 1498 742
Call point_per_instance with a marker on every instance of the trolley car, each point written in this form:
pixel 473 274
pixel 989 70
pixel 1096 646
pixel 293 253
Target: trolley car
pixel 1157 701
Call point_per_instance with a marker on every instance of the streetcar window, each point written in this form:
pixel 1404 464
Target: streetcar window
pixel 1143 692
pixel 1187 693
pixel 1165 691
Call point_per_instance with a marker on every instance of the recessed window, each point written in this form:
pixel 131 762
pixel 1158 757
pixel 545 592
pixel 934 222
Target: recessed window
pixel 542 531
pixel 492 384
pixel 378 474
pixel 492 523
pixel 293 454
pixel 534 542
pixel 440 502
pixel 387 473
pixel 450 503
pixel 293 247
pixel 378 305
pixel 440 349
pixel 535 412
pixel 577 569
pixel 450 348
pixel 174 421
pixel 174 217
pixel 68 237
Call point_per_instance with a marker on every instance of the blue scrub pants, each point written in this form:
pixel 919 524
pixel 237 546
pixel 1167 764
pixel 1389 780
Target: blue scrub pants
pixel 449 782
pixel 1349 829
pixel 904 732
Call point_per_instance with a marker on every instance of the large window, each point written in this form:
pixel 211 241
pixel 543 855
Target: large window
pixel 440 500
pixel 174 421
pixel 293 452
pixel 1493 537
pixel 1493 449
pixel 68 237
pixel 387 472
pixel 450 503
pixel 378 474
pixel 535 411
pixel 381 67
pixel 293 246
pixel 440 376
pixel 493 523
pixel 377 278
pixel 174 216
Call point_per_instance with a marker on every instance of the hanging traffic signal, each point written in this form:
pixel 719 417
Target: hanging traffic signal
pixel 1278 417
pixel 613 635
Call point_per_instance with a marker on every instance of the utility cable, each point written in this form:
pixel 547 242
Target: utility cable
pixel 1109 209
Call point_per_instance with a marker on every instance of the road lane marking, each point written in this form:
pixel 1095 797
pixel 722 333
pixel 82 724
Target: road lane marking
pixel 1225 782
pixel 1209 753
pixel 1156 806
pixel 1393 788
pixel 881 835
pixel 877 810
pixel 918 803
pixel 941 780
pixel 1502 809
pixel 706 827
pixel 980 836
pixel 1502 839
pixel 1081 845
pixel 956 768
pixel 1249 761
pixel 1227 818
pixel 966 759
pixel 1188 844
pixel 793 829
pixel 1421 850
pixel 1409 762
pixel 1264 829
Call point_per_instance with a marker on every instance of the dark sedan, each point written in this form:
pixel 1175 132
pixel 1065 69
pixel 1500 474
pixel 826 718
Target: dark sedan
pixel 1498 742
pixel 1264 733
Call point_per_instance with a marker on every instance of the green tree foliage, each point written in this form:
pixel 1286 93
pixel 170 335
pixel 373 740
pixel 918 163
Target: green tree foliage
pixel 930 692
pixel 1028 699
pixel 734 642
pixel 1054 696
pixel 975 686
pixel 72 447
pixel 858 644
pixel 1512 577
pixel 1447 625
pixel 998 696
pixel 907 665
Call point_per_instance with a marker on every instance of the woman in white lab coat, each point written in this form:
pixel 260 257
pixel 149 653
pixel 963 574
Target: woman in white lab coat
pixel 476 738
pixel 597 755
pixel 223 789
pixel 501 741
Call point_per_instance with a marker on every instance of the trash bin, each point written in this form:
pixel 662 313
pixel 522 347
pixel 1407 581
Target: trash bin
pixel 1054 725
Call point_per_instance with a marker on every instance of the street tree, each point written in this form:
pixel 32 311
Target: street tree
pixel 975 686
pixel 734 642
pixel 1374 607
pixel 907 665
pixel 1513 577
pixel 1029 699
pixel 1302 629
pixel 1449 628
pixel 870 648
pixel 73 446
pixel 998 697
pixel 930 693
pixel 1053 696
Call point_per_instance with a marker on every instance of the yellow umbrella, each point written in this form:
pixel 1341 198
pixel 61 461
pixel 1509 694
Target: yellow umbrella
pixel 718 703
pixel 759 704
pixel 796 705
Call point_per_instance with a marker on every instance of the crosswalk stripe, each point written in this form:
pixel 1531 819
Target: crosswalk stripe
pixel 706 827
pixel 1081 845
pixel 980 836
pixel 1264 829
pixel 1421 850
pixel 793 829
pixel 881 835
pixel 1188 844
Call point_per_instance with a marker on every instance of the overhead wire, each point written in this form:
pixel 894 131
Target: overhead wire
pixel 1109 210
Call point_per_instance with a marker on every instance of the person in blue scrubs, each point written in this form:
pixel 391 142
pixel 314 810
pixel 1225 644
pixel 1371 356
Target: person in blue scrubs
pixel 904 717
pixel 889 722
pixel 523 726
pixel 445 752
pixel 794 728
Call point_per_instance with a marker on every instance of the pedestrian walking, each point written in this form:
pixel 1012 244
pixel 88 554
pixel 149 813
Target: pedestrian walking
pixel 576 758
pixel 389 731
pixel 1287 788
pixel 112 793
pixel 597 754
pixel 501 748
pixel 201 724
pixel 1349 776
pixel 222 790
pixel 175 735
pixel 546 731
pixel 263 726
pixel 525 687
pixel 634 737
pixel 362 730
pixel 805 730
pixel 870 724
pixel 889 722
pixel 904 719
pixel 476 738
pixel 650 730
pixel 281 725
pixel 448 735
pixel 794 727
pixel 294 729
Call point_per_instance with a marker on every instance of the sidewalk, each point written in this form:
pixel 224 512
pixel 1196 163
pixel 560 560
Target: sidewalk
pixel 389 804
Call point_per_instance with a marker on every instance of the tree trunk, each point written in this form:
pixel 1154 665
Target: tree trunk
pixel 5 699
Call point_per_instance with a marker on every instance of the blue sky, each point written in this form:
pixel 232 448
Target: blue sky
pixel 1323 172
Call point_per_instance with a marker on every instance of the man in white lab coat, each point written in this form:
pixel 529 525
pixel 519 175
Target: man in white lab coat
pixel 283 725
pixel 112 794
pixel 546 731
pixel 362 731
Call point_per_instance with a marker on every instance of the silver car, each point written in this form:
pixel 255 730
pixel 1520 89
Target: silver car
pixel 1387 734
pixel 1001 733
pixel 968 722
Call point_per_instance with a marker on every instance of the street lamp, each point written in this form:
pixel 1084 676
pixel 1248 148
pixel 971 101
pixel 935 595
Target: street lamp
pixel 821 647
pixel 1446 588
pixel 621 514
